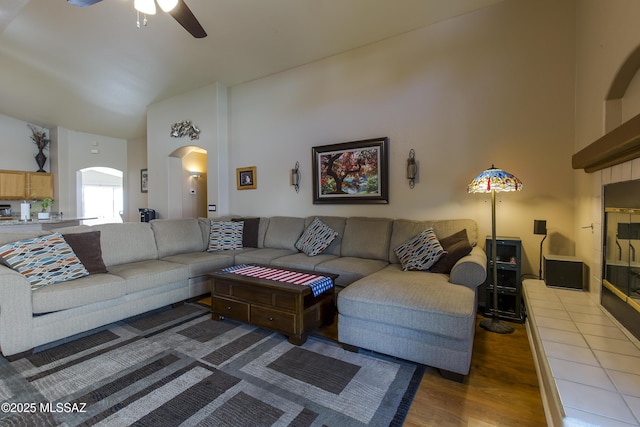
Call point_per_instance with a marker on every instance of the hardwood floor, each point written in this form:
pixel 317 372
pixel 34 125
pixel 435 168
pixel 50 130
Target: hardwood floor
pixel 501 389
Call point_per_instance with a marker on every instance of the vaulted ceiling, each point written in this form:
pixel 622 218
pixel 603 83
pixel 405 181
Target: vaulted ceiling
pixel 90 69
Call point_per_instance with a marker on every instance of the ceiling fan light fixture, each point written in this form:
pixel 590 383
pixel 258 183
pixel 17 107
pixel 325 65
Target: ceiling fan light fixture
pixel 145 6
pixel 167 5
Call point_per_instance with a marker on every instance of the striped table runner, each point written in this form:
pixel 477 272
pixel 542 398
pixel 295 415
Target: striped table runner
pixel 318 284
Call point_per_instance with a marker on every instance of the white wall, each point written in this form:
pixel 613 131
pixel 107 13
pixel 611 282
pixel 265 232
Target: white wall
pixel 205 108
pixel 72 151
pixel 494 86
pixel 607 33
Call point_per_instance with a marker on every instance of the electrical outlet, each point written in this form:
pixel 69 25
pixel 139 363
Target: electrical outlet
pixel 212 208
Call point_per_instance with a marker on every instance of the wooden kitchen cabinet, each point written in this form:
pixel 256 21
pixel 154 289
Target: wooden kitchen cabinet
pixel 13 185
pixel 39 185
pixel 19 185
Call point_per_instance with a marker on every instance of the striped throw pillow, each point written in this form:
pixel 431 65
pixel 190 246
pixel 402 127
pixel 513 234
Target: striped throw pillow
pixel 420 252
pixel 44 260
pixel 316 238
pixel 225 235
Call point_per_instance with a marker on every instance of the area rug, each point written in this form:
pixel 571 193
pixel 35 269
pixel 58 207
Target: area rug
pixel 176 366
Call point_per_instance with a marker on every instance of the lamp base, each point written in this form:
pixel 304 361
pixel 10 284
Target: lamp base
pixel 497 326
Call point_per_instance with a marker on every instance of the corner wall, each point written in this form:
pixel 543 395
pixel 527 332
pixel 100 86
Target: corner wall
pixel 494 86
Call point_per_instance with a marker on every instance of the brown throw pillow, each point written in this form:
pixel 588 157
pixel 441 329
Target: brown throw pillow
pixel 87 248
pixel 456 246
pixel 249 232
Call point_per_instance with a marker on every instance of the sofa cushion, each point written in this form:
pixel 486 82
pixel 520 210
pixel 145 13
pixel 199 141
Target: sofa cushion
pixel 283 232
pixel 225 235
pixel 177 236
pixel 420 252
pixel 126 242
pixel 404 229
pixel 201 263
pixel 149 274
pixel 456 246
pixel 316 238
pixel 417 300
pixel 87 248
pixel 367 238
pixel 301 261
pixel 76 293
pixel 261 256
pixel 337 223
pixel 350 269
pixel 250 231
pixel 43 260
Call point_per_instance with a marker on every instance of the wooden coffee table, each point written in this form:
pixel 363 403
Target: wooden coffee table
pixel 279 306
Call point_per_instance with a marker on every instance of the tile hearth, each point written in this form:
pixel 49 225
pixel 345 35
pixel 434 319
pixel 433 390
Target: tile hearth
pixel 588 364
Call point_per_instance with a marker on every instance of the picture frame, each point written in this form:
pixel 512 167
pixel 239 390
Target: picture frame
pixel 351 172
pixel 246 178
pixel 144 181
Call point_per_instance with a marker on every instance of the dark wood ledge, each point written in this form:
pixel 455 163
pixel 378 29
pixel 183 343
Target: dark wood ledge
pixel 618 146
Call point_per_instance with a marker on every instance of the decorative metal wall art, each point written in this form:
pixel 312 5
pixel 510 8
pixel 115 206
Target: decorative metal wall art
pixel 185 128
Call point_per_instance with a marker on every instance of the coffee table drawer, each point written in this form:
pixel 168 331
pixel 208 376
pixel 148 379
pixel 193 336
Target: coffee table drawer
pixel 230 308
pixel 273 319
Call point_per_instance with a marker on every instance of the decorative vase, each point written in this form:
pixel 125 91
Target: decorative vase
pixel 43 215
pixel 41 160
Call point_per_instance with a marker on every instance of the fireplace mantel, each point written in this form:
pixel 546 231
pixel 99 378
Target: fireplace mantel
pixel 618 146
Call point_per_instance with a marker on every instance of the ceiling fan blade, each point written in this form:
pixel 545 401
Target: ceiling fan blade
pixel 187 19
pixel 83 3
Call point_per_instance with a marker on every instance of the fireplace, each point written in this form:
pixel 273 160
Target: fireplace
pixel 621 253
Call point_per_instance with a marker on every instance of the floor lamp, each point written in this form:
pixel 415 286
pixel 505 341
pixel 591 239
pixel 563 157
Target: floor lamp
pixel 494 180
pixel 540 227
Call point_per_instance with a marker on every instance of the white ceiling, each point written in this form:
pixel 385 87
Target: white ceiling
pixel 90 69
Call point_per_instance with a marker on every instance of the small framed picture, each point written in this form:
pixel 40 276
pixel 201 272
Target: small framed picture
pixel 144 181
pixel 246 178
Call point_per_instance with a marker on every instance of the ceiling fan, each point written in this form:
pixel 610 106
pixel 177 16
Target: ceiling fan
pixel 176 8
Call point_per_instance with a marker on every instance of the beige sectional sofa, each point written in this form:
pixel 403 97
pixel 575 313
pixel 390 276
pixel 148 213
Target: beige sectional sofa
pixel 425 317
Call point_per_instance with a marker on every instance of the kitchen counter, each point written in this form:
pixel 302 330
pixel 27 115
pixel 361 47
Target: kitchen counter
pixel 13 225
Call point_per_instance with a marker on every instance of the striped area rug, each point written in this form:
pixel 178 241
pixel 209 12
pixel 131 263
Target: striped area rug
pixel 178 367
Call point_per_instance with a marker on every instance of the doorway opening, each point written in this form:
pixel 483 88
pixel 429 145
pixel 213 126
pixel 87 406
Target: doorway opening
pixel 101 195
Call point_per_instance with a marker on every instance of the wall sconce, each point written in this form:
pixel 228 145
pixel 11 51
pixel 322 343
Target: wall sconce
pixel 295 177
pixel 194 181
pixel 411 168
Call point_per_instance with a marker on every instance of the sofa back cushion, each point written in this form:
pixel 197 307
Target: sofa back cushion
pixel 367 238
pixel 126 242
pixel 177 236
pixel 283 232
pixel 404 229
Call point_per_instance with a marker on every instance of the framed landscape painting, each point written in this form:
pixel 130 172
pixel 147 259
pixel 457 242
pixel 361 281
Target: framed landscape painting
pixel 351 172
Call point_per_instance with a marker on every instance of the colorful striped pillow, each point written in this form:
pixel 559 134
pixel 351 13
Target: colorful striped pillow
pixel 44 260
pixel 225 235
pixel 420 252
pixel 316 238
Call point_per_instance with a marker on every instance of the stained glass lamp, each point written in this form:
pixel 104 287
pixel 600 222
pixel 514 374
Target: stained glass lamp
pixel 494 180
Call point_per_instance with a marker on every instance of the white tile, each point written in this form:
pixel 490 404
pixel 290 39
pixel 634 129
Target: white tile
pixel 554 314
pixel 634 404
pixel 595 319
pixel 600 330
pixel 557 335
pixel 590 375
pixel 618 362
pixel 570 352
pixel 612 345
pixel 595 400
pixel 584 308
pixel 625 382
pixel 576 418
pixel 549 322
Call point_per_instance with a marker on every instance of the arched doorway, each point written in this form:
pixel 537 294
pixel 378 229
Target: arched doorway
pixel 100 195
